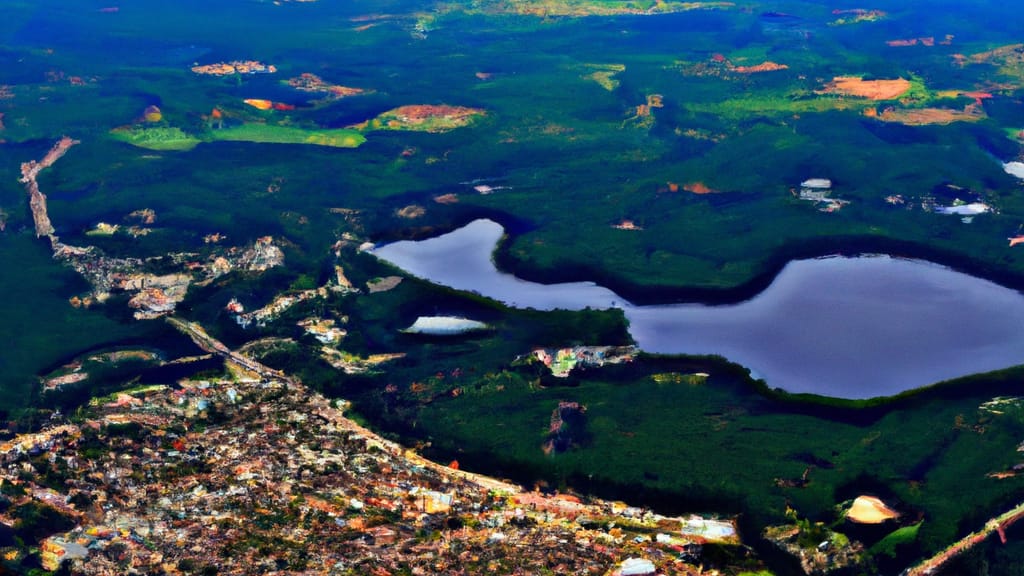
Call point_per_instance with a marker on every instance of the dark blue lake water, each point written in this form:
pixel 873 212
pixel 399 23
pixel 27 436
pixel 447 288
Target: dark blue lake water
pixel 843 327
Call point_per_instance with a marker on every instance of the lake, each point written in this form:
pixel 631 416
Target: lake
pixel 844 327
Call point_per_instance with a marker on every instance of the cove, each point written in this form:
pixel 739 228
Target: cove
pixel 845 327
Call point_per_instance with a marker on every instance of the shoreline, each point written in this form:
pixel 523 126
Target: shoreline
pixel 660 294
pixel 820 292
pixel 647 295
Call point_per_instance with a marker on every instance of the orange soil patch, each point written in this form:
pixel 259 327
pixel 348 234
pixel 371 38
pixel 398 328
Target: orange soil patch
pixel 1000 52
pixel 267 105
pixel 653 101
pixel 978 95
pixel 925 41
pixel 152 114
pixel 447 198
pixel 484 75
pixel 627 225
pixel 698 188
pixel 419 113
pixel 870 89
pixel 870 510
pixel 259 104
pixel 1016 240
pixel 308 82
pixel 768 66
pixel 923 116
pixel 411 211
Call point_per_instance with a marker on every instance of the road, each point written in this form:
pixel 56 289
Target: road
pixel 214 346
pixel 997 524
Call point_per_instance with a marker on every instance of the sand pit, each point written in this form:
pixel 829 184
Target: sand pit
pixel 870 89
pixel 926 116
pixel 870 510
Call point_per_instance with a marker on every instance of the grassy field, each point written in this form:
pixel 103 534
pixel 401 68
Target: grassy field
pixel 174 139
pixel 268 134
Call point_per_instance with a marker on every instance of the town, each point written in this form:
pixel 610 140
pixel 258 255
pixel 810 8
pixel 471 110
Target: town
pixel 254 472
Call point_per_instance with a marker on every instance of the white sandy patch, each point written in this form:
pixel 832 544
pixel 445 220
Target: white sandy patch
pixel 1015 169
pixel 443 325
pixel 870 510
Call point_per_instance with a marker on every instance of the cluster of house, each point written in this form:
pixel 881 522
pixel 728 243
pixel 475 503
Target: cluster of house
pixel 155 295
pixel 282 302
pixel 819 191
pixel 562 361
pixel 262 476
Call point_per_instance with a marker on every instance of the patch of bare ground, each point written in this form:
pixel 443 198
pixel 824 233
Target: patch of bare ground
pixel 925 116
pixel 870 89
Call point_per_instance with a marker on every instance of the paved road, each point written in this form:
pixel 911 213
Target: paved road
pixel 214 346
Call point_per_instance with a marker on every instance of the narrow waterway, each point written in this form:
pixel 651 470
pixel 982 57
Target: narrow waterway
pixel 843 327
